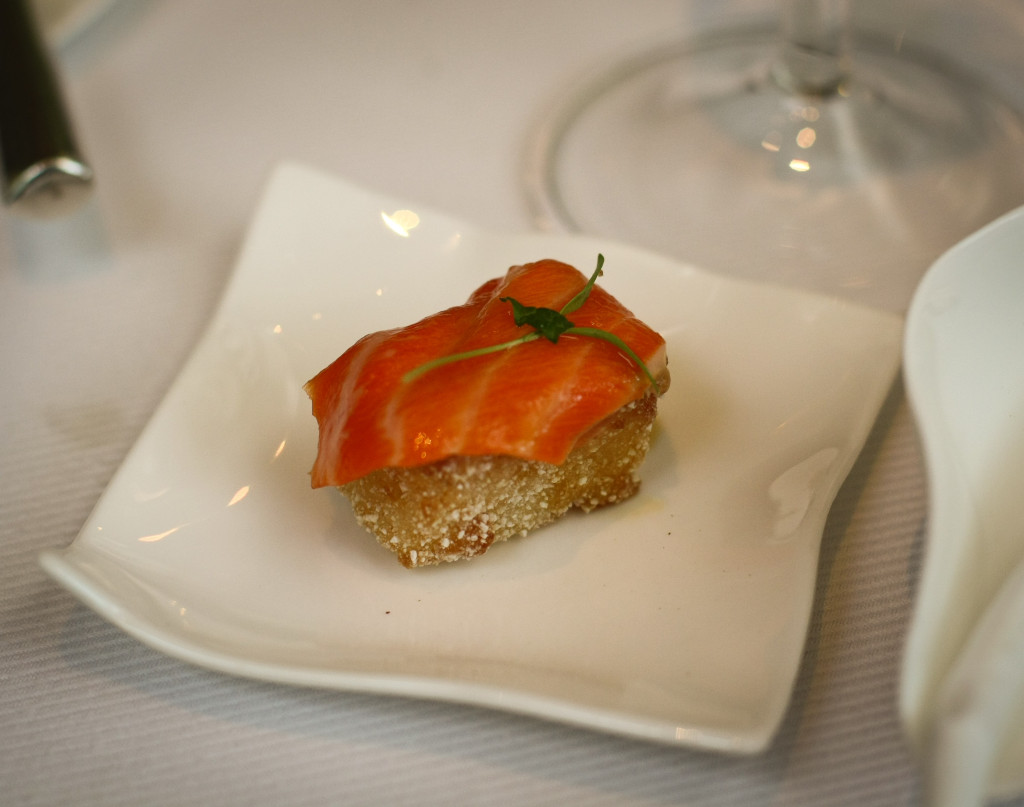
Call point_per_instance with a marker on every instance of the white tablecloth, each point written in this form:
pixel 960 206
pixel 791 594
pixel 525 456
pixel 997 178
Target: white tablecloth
pixel 183 107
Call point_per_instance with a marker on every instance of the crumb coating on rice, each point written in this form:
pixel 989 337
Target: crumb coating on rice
pixel 456 508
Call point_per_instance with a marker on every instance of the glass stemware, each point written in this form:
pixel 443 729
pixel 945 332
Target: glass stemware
pixel 803 155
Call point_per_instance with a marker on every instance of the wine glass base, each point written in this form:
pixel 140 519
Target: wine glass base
pixel 698 152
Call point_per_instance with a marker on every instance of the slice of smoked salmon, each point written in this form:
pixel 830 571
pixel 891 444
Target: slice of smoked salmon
pixel 532 401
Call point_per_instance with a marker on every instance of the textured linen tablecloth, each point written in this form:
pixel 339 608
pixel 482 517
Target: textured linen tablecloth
pixel 184 106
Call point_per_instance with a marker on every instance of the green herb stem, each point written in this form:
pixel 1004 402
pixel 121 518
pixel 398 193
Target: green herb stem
pixel 546 323
pixel 584 293
pixel 412 375
pixel 608 336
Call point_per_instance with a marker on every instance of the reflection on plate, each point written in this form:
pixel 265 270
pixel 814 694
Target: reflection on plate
pixel 964 370
pixel 678 616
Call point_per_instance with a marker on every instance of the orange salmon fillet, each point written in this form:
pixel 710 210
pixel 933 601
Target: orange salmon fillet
pixel 533 401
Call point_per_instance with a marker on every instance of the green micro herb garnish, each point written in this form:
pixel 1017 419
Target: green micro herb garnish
pixel 546 323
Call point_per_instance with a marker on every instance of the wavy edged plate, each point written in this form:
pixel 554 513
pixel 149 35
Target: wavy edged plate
pixel 678 616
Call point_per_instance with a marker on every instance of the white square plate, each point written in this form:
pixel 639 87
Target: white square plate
pixel 678 616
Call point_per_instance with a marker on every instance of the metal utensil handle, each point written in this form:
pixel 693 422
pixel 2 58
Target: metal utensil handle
pixel 43 171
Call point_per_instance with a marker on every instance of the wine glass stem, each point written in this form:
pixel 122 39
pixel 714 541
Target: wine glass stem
pixel 814 57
